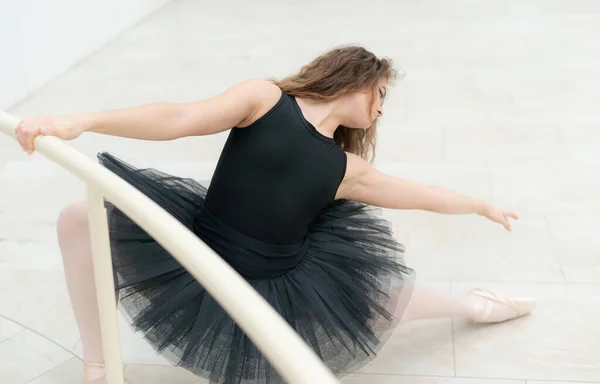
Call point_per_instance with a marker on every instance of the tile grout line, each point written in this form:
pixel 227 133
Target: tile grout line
pixel 74 345
pixel 555 249
pixel 26 328
pixel 453 346
pixel 10 337
pixel 452 333
pixel 48 371
pixel 73 355
pixel 64 362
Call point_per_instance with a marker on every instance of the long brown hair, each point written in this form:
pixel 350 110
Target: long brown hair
pixel 340 71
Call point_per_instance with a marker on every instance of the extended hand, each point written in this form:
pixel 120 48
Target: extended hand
pixel 499 215
pixel 62 127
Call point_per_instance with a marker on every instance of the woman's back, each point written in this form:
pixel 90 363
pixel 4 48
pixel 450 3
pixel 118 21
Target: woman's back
pixel 275 176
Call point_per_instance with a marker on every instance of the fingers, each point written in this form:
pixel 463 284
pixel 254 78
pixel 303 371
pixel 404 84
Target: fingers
pixel 506 222
pixel 26 136
pixel 502 220
pixel 510 214
pixel 501 216
pixel 22 137
pixel 31 139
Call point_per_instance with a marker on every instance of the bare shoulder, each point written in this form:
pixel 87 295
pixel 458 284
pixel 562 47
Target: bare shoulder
pixel 262 95
pixel 257 87
pixel 356 167
pixel 238 106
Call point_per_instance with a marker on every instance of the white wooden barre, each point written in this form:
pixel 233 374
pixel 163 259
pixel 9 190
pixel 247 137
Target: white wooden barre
pixel 104 280
pixel 286 351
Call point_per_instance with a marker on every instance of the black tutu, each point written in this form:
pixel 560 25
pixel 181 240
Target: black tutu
pixel 338 289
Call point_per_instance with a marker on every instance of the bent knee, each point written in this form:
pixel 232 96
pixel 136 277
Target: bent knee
pixel 73 217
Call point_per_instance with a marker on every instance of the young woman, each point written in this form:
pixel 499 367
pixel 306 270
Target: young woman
pixel 290 207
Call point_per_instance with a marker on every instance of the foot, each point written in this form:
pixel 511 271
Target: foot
pixel 491 307
pixel 94 373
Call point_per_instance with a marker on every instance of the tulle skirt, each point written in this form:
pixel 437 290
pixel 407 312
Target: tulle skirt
pixel 342 289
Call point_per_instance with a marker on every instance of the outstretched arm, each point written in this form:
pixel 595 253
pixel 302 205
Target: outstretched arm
pixel 166 121
pixel 367 184
pixel 237 106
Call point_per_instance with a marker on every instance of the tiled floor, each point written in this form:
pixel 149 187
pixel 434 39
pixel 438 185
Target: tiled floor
pixel 500 101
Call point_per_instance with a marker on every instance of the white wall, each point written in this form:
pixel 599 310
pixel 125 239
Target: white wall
pixel 41 39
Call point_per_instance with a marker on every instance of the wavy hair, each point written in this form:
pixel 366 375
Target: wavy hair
pixel 337 72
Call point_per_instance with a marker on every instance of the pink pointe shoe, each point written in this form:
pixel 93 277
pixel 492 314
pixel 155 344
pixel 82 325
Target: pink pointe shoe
pixel 94 373
pixel 491 307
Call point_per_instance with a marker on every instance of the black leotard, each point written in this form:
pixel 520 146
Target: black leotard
pixel 275 176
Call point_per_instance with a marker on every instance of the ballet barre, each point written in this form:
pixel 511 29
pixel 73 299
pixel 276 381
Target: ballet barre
pixel 282 346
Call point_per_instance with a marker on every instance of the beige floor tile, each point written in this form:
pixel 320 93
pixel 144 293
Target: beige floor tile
pixel 400 379
pixel 30 255
pixel 34 191
pixel 558 341
pixel 26 356
pixel 38 299
pixel 559 382
pixel 77 349
pixel 453 96
pixel 473 248
pixel 547 188
pixel 69 372
pixel 410 146
pixel 539 94
pixel 8 329
pixel 582 142
pixel 504 142
pixel 11 151
pixel 577 246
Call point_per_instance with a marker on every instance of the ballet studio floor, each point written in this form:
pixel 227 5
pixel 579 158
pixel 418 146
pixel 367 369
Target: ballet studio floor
pixel 500 101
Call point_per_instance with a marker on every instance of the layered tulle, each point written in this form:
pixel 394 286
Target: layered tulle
pixel 342 289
